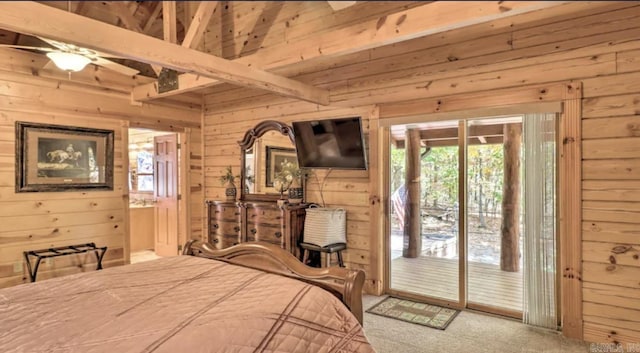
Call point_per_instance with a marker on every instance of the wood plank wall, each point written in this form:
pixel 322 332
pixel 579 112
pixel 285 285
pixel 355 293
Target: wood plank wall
pixel 346 189
pixel 240 28
pixel 92 98
pixel 598 46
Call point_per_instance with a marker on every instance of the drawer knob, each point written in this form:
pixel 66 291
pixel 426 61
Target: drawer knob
pixel 278 234
pixel 254 231
pixel 216 241
pixel 236 228
pixel 215 226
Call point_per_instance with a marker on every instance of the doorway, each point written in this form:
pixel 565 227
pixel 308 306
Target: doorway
pixel 459 230
pixel 153 194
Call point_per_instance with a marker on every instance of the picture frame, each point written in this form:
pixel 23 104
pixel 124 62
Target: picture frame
pixel 52 158
pixel 275 157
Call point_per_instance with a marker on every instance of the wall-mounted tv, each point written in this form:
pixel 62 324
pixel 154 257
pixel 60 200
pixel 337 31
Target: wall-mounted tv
pixel 330 143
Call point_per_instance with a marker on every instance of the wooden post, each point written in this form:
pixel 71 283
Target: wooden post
pixel 510 240
pixel 412 244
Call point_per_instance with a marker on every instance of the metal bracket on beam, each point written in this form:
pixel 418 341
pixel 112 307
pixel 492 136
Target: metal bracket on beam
pixel 167 80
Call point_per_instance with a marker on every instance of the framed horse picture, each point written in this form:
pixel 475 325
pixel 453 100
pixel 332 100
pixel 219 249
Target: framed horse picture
pixel 63 158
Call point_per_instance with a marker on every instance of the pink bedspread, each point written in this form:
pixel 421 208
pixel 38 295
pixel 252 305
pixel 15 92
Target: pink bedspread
pixel 178 304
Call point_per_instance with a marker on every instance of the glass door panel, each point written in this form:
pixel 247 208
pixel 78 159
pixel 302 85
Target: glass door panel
pixel 424 211
pixel 494 222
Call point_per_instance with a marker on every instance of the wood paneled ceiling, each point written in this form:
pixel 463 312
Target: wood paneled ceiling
pixel 251 44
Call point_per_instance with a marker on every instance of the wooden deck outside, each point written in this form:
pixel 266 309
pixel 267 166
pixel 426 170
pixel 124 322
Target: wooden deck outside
pixel 438 277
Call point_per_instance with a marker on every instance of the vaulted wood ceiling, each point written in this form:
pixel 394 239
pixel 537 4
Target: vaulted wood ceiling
pixel 253 44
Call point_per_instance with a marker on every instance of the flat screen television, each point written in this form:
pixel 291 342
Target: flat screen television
pixel 330 143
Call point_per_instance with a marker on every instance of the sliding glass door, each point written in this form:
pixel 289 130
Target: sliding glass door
pixel 424 220
pixel 473 213
pixel 494 202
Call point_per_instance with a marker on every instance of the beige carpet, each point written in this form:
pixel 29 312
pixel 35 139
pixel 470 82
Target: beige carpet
pixel 469 332
pixel 143 255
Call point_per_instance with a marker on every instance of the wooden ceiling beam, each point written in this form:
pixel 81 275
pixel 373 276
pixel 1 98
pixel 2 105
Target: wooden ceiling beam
pixel 81 8
pixel 123 12
pixel 431 18
pixel 169 22
pixel 26 17
pixel 152 18
pixel 129 21
pixel 199 23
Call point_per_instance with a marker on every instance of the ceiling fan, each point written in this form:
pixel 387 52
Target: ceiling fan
pixel 69 57
pixel 339 5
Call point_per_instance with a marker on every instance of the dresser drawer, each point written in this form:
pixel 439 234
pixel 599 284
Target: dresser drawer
pixel 224 228
pixel 223 241
pixel 222 212
pixel 264 215
pixel 265 232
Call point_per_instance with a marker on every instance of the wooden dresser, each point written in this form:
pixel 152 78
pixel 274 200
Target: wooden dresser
pixel 231 223
pixel 223 223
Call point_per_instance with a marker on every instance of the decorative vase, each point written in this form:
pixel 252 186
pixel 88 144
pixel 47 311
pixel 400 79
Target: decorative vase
pixel 295 192
pixel 230 191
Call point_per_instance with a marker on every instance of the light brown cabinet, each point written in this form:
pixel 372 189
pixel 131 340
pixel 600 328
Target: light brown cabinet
pixel 231 223
pixel 142 228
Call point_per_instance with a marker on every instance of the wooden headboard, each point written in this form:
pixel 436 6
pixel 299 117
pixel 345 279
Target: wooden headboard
pixel 343 283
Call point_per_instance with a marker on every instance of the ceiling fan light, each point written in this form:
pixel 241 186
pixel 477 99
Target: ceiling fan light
pixel 68 61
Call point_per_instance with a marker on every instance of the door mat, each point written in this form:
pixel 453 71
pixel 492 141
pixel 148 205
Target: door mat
pixel 417 313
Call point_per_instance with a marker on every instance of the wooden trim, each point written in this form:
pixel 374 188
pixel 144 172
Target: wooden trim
pixel 125 192
pixel 462 213
pixel 343 283
pixel 376 201
pixel 184 185
pixel 426 299
pixel 570 211
pixel 26 17
pixel 517 101
pixel 500 312
pixel 385 157
pixel 419 111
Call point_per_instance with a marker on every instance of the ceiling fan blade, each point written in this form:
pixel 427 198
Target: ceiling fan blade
pixel 125 70
pixel 79 50
pixel 53 43
pixel 339 5
pixel 26 47
pixel 50 66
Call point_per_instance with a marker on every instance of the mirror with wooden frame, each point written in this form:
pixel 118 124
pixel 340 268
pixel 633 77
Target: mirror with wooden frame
pixel 263 150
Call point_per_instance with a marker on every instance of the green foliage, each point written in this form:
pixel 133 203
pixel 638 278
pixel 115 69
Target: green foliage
pixel 227 176
pixel 439 180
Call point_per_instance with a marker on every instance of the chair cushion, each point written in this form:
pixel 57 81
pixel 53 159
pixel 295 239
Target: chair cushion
pixel 331 248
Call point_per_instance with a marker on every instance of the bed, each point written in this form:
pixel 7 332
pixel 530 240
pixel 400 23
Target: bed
pixel 252 297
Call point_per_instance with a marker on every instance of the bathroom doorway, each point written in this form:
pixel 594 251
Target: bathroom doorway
pixel 153 194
